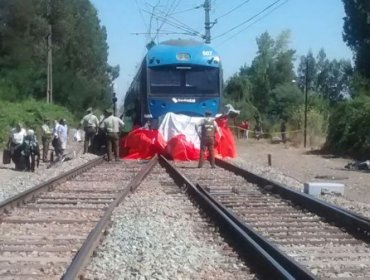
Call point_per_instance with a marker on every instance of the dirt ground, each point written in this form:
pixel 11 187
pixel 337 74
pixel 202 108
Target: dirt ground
pixel 307 165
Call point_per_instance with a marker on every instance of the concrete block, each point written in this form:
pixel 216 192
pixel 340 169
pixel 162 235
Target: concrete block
pixel 318 188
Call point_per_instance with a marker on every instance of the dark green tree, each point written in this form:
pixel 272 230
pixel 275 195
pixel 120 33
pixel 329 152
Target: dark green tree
pixel 272 67
pixel 82 76
pixel 331 79
pixel 256 88
pixel 356 33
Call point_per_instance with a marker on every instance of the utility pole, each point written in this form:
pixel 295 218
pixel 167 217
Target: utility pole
pixel 49 87
pixel 305 106
pixel 207 24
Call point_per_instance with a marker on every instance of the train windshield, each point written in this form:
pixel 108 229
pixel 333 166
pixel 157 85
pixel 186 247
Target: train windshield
pixel 184 80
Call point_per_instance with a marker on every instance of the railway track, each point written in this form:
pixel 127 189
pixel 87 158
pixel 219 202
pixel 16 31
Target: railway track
pixel 328 241
pixel 271 232
pixel 42 229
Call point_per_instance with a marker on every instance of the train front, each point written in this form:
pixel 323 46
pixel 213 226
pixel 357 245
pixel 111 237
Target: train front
pixel 184 77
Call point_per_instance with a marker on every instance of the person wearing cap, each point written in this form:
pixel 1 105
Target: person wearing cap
pixel 45 139
pixel 90 124
pixel 207 139
pixel 112 124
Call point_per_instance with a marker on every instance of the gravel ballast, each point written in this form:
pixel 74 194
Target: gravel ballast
pixel 157 236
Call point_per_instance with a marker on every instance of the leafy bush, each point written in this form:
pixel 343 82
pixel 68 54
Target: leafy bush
pixel 316 126
pixel 349 128
pixel 31 114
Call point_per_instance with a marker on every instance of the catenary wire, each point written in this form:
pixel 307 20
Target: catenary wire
pixel 254 22
pixel 178 23
pixel 232 10
pixel 248 20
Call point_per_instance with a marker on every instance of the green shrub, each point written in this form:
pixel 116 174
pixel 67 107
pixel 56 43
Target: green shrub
pixel 31 114
pixel 349 128
pixel 316 126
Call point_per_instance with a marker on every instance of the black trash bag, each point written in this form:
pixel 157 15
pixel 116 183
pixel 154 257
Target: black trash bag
pixel 358 165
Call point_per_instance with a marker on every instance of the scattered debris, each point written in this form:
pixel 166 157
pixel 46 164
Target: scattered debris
pixel 358 165
pixel 330 177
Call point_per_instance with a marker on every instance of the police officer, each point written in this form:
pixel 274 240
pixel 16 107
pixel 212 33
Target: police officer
pixel 90 124
pixel 207 139
pixel 112 124
pixel 45 138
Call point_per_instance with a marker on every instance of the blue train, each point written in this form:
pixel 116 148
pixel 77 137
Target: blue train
pixel 179 76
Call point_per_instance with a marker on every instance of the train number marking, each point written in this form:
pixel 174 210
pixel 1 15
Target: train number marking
pixel 207 53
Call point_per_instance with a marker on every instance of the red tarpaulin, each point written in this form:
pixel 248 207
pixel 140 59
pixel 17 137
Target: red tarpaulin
pixel 176 138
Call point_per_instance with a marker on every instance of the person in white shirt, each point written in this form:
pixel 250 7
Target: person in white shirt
pixel 60 136
pixel 14 145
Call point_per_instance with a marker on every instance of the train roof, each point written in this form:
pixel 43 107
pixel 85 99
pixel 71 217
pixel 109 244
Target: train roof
pixel 182 52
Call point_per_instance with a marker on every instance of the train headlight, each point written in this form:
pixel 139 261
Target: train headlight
pixel 183 56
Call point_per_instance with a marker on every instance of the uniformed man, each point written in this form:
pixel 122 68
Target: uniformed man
pixel 207 139
pixel 45 138
pixel 90 124
pixel 112 125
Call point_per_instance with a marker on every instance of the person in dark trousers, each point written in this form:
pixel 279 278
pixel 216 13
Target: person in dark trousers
pixel 90 124
pixel 112 125
pixel 31 151
pixel 283 131
pixel 15 146
pixel 258 130
pixel 45 138
pixel 208 128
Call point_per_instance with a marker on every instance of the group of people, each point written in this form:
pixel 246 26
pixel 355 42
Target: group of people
pixel 23 147
pixel 107 130
pixel 244 129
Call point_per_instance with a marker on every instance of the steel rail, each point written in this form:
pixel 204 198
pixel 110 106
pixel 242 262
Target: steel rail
pixel 293 267
pixel 48 185
pixel 93 239
pixel 360 227
pixel 265 263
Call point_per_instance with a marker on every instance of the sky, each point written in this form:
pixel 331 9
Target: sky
pixel 313 24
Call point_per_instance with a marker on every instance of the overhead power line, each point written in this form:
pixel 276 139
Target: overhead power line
pixel 187 10
pixel 163 33
pixel 232 10
pixel 174 22
pixel 248 20
pixel 172 7
pixel 254 22
pixel 177 25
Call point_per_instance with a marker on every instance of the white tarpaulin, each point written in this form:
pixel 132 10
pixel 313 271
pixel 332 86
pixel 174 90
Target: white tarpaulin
pixel 173 125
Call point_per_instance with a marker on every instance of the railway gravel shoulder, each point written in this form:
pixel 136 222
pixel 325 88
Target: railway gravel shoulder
pixel 293 183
